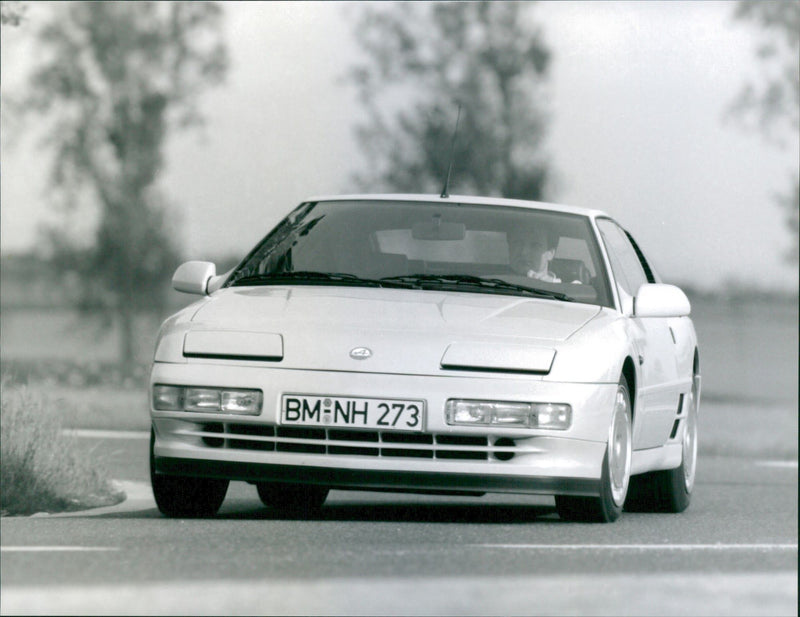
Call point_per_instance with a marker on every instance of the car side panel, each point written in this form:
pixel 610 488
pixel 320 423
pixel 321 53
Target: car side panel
pixel 686 345
pixel 659 389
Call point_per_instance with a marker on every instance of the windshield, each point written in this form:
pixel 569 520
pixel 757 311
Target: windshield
pixel 451 246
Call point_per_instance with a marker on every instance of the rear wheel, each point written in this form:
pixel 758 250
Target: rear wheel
pixel 182 496
pixel 615 476
pixel 297 498
pixel 670 490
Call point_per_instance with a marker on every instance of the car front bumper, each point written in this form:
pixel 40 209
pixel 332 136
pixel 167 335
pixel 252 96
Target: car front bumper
pixel 441 458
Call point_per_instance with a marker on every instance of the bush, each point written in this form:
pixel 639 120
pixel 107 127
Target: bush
pixel 41 468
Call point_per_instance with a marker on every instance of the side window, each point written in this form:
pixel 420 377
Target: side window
pixel 625 261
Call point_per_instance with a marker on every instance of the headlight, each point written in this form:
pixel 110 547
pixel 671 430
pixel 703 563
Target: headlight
pixel 556 416
pixel 207 400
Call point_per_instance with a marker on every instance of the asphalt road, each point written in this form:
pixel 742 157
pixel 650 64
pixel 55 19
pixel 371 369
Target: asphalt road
pixel 734 552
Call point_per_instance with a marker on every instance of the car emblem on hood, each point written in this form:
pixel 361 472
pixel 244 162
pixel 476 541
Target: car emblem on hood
pixel 360 353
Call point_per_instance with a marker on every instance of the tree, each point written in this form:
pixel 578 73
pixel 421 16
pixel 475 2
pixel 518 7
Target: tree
pixel 771 103
pixel 11 12
pixel 426 59
pixel 115 79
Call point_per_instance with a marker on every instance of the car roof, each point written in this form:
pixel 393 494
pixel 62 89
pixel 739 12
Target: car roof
pixel 464 199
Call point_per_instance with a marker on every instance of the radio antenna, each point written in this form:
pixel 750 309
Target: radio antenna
pixel 445 194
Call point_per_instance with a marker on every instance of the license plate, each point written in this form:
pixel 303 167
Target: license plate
pixel 353 412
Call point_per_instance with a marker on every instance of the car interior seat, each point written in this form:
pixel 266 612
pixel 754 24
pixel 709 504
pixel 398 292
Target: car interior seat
pixel 569 270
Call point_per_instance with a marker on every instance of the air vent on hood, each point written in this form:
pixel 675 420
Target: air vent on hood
pixel 233 345
pixel 499 357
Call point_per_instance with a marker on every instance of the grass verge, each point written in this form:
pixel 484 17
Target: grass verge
pixel 42 469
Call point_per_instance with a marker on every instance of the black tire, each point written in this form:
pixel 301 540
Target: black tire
pixel 615 477
pixel 186 497
pixel 670 490
pixel 295 498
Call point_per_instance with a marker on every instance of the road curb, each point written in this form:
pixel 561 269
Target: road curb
pixel 138 496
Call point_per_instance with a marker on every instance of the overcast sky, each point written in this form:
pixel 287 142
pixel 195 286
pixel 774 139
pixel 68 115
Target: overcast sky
pixel 639 95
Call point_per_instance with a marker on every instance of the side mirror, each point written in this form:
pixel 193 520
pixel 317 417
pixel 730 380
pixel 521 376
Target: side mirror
pixel 659 300
pixel 193 277
pixel 217 281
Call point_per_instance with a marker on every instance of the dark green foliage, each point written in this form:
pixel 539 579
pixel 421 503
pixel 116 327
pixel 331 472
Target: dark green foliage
pixel 114 80
pixel 423 60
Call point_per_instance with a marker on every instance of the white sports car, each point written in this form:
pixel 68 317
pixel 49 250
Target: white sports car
pixel 435 344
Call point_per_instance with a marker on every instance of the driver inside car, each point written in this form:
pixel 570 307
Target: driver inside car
pixel 530 252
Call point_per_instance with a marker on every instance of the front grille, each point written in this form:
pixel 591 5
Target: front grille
pixel 344 442
pixel 249 430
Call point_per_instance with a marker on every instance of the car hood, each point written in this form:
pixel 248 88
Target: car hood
pixel 404 331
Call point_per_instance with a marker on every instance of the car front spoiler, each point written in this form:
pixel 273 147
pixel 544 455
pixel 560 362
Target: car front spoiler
pixel 372 479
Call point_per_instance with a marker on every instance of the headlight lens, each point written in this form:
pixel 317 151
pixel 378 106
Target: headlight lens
pixel 555 416
pixel 241 401
pixel 207 400
pixel 167 398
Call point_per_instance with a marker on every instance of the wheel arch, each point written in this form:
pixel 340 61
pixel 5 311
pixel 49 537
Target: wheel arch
pixel 629 373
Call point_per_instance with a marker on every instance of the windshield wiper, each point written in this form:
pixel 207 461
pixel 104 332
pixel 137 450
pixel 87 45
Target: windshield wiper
pixel 410 281
pixel 438 280
pixel 312 277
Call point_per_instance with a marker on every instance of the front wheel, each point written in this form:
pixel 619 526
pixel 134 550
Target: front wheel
pixel 182 496
pixel 616 472
pixel 296 498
